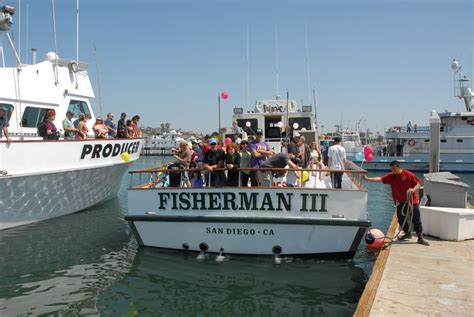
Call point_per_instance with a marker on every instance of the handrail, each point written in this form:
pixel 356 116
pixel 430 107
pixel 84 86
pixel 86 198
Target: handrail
pixel 155 169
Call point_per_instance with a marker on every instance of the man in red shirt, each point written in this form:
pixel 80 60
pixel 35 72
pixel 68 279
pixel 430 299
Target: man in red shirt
pixel 403 183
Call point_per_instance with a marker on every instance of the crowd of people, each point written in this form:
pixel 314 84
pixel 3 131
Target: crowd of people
pixel 78 129
pixel 234 161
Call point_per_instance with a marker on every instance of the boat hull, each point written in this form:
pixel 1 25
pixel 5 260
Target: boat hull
pixel 253 221
pixel 40 180
pixel 252 236
pixel 28 199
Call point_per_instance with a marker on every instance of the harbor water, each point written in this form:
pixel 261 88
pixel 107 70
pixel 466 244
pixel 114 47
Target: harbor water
pixel 89 264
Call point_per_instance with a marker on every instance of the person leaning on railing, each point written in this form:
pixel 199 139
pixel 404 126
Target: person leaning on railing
pixel 214 159
pixel 4 125
pixel 279 160
pixel 260 151
pixel 336 161
pixel 245 158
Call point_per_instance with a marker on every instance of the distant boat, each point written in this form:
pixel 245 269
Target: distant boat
pixel 162 144
pixel 410 144
pixel 45 179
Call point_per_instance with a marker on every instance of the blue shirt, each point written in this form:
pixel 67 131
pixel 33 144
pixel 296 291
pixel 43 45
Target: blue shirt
pixel 254 146
pixel 196 182
pixel 110 124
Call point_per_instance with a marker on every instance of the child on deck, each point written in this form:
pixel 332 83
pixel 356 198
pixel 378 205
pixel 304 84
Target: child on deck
pixel 196 180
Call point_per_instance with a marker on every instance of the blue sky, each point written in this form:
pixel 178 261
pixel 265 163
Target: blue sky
pixel 385 61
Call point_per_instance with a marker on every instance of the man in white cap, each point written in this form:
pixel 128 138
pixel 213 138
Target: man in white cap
pixel 4 124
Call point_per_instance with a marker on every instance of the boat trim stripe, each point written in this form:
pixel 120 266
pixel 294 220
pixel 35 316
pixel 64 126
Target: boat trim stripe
pixel 274 220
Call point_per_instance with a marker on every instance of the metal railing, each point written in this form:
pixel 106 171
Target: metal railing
pixel 159 177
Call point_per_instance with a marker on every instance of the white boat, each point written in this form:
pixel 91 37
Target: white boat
pixel 293 221
pixel 44 179
pixel 162 144
pixel 410 145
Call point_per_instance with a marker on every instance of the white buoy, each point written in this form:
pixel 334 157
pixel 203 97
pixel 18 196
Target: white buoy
pixel 202 256
pixel 277 259
pixel 220 257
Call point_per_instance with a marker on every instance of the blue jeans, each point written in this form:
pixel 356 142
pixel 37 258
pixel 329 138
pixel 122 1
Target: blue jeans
pixel 336 179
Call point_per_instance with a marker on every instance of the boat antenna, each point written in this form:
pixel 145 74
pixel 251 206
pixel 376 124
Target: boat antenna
pixel 27 41
pixel 77 32
pixel 248 67
pixel 53 13
pixel 287 105
pixel 1 50
pixel 307 61
pixel 315 112
pixel 98 81
pixel 19 28
pixel 276 61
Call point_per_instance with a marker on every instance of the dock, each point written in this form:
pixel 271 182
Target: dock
pixel 414 280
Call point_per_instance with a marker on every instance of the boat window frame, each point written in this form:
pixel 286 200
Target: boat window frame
pixel 82 102
pixel 40 116
pixel 307 126
pixel 8 109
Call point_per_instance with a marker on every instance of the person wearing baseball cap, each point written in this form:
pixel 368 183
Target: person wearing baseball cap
pixel 214 159
pixel 260 151
pixel 68 126
pixel 4 125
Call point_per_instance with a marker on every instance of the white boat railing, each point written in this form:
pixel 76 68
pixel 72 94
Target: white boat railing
pixel 157 177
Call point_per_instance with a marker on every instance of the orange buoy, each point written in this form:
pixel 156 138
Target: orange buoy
pixel 375 238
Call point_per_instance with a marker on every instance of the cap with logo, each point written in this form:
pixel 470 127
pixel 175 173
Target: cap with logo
pixel 259 131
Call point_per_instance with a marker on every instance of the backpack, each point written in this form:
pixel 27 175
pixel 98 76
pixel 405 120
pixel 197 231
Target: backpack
pixel 42 129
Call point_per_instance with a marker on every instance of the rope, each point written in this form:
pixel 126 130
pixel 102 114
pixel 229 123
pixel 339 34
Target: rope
pixel 407 213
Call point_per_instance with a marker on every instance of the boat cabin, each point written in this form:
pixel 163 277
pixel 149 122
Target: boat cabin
pixel 272 116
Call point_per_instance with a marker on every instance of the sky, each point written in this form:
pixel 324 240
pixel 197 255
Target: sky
pixel 378 61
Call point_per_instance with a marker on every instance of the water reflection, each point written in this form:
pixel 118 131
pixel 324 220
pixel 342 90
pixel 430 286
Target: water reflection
pixel 176 284
pixel 61 264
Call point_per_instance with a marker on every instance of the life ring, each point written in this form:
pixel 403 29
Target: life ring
pixel 411 142
pixel 472 122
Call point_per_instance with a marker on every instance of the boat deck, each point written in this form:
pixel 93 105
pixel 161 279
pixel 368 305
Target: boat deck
pixel 422 281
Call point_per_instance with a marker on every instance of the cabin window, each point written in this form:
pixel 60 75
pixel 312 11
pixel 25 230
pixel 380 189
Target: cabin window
pixel 8 109
pixel 78 107
pixel 253 125
pixel 459 140
pixel 427 140
pixel 302 123
pixel 443 140
pixel 464 118
pixel 32 116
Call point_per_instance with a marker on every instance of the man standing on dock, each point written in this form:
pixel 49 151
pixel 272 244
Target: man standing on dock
pixel 403 183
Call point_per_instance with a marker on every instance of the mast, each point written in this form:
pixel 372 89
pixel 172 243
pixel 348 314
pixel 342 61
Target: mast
pixel 98 81
pixel 77 33
pixel 276 60
pixel 19 27
pixel 307 62
pixel 53 12
pixel 248 68
pixel 27 42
